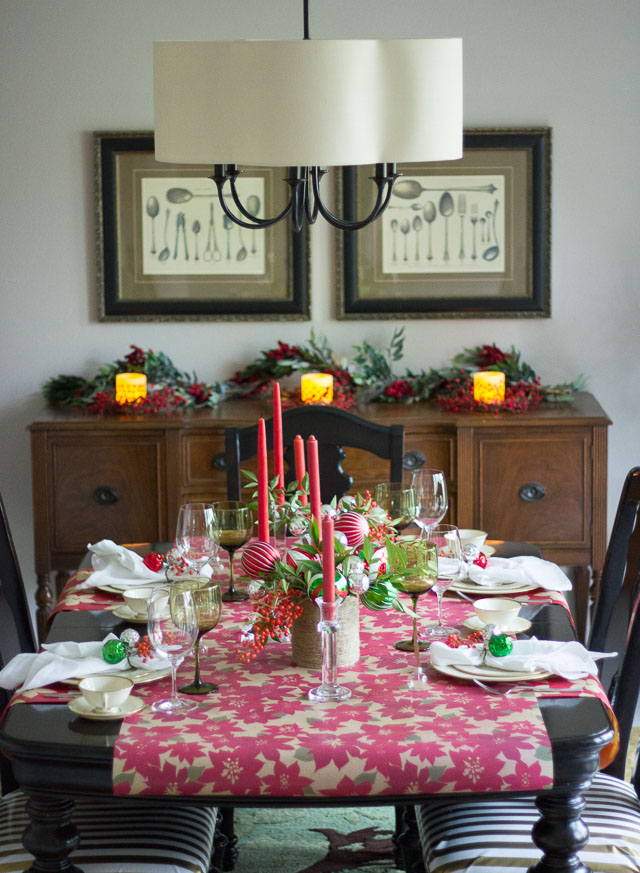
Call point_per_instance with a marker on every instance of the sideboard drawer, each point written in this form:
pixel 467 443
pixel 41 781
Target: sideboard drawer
pixel 203 459
pixel 106 488
pixel 535 487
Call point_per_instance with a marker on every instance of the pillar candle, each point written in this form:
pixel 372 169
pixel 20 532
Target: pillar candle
pixel 263 484
pixel 130 387
pixel 314 478
pixel 488 387
pixel 298 453
pixel 328 561
pixel 278 459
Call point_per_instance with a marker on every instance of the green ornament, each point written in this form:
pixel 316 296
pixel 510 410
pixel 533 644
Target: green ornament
pixel 114 651
pixel 500 645
pixel 379 596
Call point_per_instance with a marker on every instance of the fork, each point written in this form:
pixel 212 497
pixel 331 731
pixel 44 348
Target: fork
pixel 462 210
pixel 504 692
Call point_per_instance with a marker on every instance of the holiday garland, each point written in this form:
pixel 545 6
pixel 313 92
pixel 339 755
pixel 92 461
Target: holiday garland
pixel 368 376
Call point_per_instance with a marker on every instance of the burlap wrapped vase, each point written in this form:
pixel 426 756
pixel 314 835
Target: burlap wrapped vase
pixel 306 641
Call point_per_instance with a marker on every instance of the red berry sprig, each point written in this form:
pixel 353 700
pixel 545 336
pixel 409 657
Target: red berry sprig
pixel 275 613
pixel 454 641
pixel 144 648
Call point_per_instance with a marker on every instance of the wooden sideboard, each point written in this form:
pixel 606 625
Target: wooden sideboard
pixel 538 477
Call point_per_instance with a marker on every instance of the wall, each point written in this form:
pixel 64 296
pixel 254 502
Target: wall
pixel 73 66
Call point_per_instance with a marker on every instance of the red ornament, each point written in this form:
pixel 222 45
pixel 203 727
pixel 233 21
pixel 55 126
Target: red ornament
pixel 354 526
pixel 258 559
pixel 153 561
pixel 481 561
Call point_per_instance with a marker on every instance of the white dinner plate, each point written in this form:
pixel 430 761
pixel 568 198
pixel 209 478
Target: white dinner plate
pixel 468 587
pixel 125 612
pixel 490 674
pixel 518 626
pixel 79 706
pixel 138 677
pixel 140 583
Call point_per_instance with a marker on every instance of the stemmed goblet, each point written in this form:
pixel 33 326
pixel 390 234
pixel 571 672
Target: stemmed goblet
pixel 236 527
pixel 398 501
pixel 451 565
pixel 207 599
pixel 421 575
pixel 197 536
pixel 173 628
pixel 432 500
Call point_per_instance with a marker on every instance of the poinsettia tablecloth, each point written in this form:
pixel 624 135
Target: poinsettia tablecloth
pixel 260 735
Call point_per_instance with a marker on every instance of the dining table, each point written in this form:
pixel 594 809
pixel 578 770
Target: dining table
pixel 259 741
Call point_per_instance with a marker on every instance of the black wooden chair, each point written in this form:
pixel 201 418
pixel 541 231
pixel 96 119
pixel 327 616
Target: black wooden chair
pixel 139 836
pixel 333 428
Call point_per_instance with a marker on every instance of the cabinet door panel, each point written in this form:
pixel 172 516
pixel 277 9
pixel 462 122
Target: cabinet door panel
pixel 106 488
pixel 535 487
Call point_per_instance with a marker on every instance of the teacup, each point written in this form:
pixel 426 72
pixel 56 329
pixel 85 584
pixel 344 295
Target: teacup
pixel 472 537
pixel 137 599
pixel 501 611
pixel 105 693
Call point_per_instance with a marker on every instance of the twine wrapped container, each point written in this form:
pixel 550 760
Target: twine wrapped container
pixel 306 642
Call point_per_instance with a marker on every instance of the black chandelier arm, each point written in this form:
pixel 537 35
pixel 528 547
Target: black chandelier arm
pixel 229 174
pixel 384 178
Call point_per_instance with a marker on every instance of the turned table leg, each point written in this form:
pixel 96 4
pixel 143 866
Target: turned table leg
pixel 50 835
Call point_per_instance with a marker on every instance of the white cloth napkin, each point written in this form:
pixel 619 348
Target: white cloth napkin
pixel 119 567
pixel 61 661
pixel 570 660
pixel 525 570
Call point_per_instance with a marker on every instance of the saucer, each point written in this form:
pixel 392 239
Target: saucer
pixel 518 626
pixel 79 706
pixel 125 612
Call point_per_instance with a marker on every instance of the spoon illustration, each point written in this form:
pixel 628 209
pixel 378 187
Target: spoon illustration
pixel 164 254
pixel 429 214
pixel 242 251
pixel 493 251
pixel 405 227
pixel 182 195
pixel 447 208
pixel 253 206
pixel 417 226
pixel 153 208
pixel 226 223
pixel 483 221
pixel 394 231
pixel 409 189
pixel 487 215
pixel 195 227
pixel 474 220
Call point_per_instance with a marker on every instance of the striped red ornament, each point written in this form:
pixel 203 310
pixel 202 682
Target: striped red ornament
pixel 258 559
pixel 354 526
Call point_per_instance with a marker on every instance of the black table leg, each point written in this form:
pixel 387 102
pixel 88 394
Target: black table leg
pixel 231 846
pixel 50 836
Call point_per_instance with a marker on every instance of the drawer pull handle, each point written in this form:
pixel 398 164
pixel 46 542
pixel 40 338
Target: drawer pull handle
pixel 219 462
pixel 413 460
pixel 532 491
pixel 106 495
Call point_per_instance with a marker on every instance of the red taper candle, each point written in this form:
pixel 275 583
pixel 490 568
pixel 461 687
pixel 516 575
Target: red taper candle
pixel 278 459
pixel 328 561
pixel 314 478
pixel 263 484
pixel 298 454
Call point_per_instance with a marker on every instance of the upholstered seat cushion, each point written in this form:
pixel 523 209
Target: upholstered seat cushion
pixel 125 837
pixel 484 836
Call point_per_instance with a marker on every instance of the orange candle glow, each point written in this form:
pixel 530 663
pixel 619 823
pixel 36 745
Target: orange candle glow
pixel 316 388
pixel 130 387
pixel 488 387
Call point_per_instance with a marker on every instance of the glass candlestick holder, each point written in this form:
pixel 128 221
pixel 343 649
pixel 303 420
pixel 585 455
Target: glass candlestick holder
pixel 328 627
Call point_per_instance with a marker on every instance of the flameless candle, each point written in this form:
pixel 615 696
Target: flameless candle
pixel 328 561
pixel 316 388
pixel 488 387
pixel 130 387
pixel 298 453
pixel 263 484
pixel 278 459
pixel 314 478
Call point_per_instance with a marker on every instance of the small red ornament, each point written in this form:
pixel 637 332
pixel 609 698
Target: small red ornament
pixel 153 561
pixel 259 559
pixel 354 526
pixel 481 561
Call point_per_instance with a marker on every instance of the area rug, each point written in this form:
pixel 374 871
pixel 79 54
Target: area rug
pixel 327 840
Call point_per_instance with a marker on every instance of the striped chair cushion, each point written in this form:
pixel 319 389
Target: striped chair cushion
pixel 134 836
pixel 484 836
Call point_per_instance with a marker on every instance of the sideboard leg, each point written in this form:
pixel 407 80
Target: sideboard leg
pixel 44 601
pixel 50 835
pixel 582 592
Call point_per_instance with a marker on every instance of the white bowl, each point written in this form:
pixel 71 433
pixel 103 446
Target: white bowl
pixel 472 537
pixel 105 693
pixel 137 599
pixel 497 610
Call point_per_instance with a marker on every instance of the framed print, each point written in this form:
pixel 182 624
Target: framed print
pixel 167 252
pixel 460 239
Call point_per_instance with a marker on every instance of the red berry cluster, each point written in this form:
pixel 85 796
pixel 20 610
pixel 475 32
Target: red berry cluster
pixel 157 401
pixel 518 397
pixel 454 641
pixel 144 648
pixel 275 615
pixel 399 389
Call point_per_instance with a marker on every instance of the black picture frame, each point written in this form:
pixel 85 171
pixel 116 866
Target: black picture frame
pixel 384 270
pixel 151 264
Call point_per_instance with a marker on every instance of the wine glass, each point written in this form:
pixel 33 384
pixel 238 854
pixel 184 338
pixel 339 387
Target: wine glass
pixel 450 568
pixel 398 501
pixel 422 566
pixel 236 527
pixel 432 500
pixel 173 629
pixel 207 599
pixel 197 537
